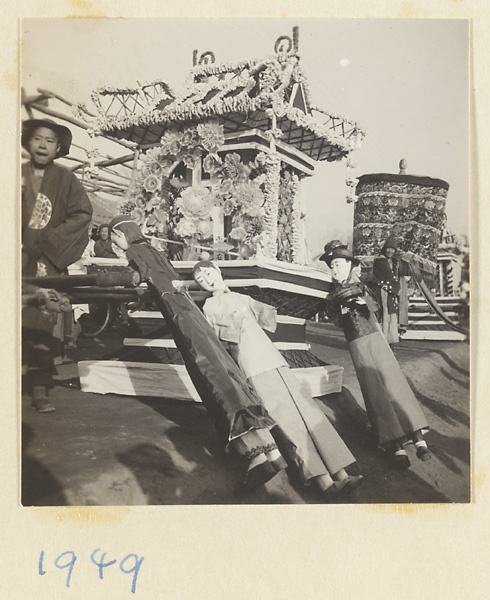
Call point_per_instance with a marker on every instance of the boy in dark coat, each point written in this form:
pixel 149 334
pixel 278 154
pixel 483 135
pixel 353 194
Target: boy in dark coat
pixel 56 214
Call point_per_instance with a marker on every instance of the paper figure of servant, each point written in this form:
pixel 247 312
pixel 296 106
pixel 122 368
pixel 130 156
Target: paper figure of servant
pixel 308 440
pixel 392 409
pixel 237 413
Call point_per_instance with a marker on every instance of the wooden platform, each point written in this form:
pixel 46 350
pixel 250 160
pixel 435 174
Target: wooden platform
pixel 172 381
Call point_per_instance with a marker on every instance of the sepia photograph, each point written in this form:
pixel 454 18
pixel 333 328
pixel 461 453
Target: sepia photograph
pixel 245 260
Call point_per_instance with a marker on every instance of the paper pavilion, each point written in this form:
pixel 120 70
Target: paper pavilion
pixel 220 165
pixel 223 160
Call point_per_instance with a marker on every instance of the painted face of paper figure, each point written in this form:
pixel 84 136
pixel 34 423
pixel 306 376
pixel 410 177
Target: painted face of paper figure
pixel 341 268
pixel 209 279
pixel 119 239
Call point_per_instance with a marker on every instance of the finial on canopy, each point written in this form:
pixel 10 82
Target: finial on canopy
pixel 285 44
pixel 206 58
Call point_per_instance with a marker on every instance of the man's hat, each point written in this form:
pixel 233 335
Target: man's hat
pixel 390 243
pixel 63 133
pixel 336 249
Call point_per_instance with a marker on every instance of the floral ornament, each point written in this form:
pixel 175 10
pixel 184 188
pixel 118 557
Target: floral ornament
pixel 151 183
pixel 166 163
pixel 187 138
pixel 205 229
pixel 234 169
pixel 140 201
pixel 168 138
pixel 225 187
pixel 185 228
pixel 174 147
pixel 126 207
pixel 192 160
pixel 195 203
pixel 211 135
pixel 254 228
pixel 351 183
pixel 92 171
pixel 151 221
pixel 211 163
pixel 238 233
pixel 41 213
pixel 250 198
pixel 138 215
pixel 160 215
pixel 229 206
pixel 156 168
pixel 268 78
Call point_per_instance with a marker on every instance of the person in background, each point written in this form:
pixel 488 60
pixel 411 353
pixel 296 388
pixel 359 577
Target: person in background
pixel 103 247
pixel 56 214
pixel 391 291
pixel 393 411
pixel 40 310
pixel 89 248
pixel 315 449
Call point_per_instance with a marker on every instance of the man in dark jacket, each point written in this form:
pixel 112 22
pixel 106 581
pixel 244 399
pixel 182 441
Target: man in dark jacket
pixel 56 214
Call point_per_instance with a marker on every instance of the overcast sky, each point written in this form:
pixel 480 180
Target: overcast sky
pixel 404 81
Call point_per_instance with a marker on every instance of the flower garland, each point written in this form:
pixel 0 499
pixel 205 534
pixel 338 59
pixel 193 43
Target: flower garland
pixel 271 193
pixel 162 91
pixel 351 181
pixel 288 218
pixel 296 218
pixel 207 94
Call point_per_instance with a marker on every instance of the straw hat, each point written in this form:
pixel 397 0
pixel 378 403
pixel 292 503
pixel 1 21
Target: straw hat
pixel 63 133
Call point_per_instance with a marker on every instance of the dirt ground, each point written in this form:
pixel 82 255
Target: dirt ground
pixel 120 450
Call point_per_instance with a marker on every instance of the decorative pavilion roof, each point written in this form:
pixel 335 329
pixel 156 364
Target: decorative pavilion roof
pixel 242 96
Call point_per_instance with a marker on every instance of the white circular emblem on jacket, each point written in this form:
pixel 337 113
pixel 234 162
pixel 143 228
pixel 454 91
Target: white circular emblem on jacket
pixel 42 212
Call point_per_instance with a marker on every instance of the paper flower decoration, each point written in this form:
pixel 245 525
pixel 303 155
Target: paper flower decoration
pixel 238 233
pixel 229 206
pixel 195 203
pixel 151 183
pixel 250 198
pixel 211 163
pixel 205 229
pixel 211 135
pixel 138 215
pixel 185 228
